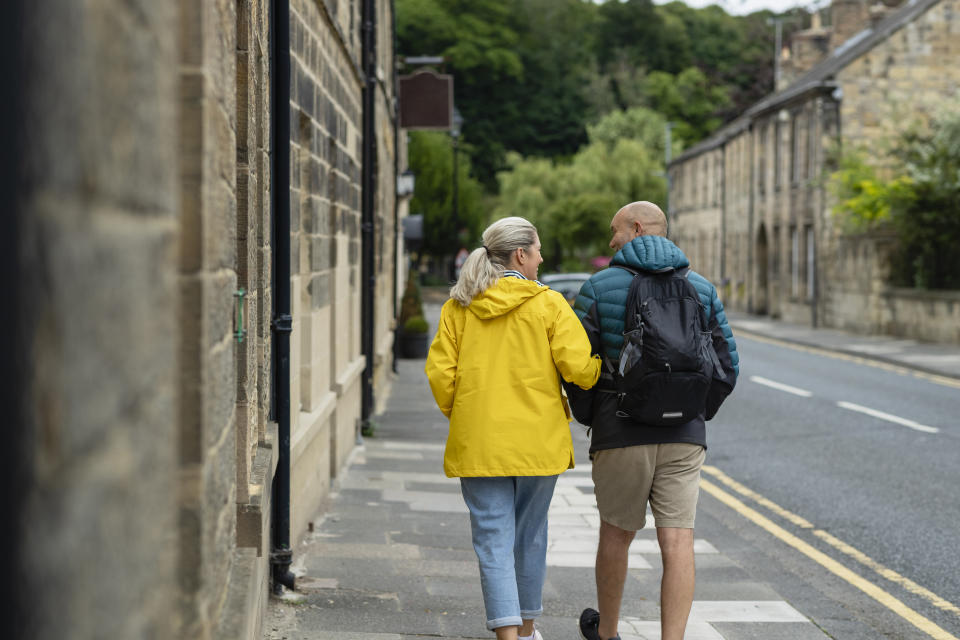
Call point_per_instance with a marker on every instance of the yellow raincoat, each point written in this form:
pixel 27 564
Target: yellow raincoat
pixel 494 368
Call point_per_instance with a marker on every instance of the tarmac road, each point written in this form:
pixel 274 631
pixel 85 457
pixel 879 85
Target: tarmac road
pixel 864 454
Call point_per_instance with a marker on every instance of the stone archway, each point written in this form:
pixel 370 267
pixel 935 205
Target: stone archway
pixel 761 276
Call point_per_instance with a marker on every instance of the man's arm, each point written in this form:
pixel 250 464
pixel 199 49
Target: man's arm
pixel 581 401
pixel 725 348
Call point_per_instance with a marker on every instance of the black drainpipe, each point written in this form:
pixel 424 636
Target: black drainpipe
pixel 281 554
pixel 19 602
pixel 368 277
pixel 750 207
pixel 396 199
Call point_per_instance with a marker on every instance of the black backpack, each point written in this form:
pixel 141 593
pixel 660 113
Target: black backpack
pixel 667 363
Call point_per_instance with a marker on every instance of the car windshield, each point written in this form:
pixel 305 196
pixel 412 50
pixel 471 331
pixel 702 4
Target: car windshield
pixel 568 284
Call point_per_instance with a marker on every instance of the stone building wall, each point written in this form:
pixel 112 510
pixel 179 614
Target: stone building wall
pixel 226 451
pixel 98 214
pixel 778 235
pixel 695 214
pixel 144 219
pixel 904 77
pixel 325 225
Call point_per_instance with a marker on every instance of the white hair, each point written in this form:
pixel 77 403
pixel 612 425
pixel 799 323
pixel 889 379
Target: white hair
pixel 485 265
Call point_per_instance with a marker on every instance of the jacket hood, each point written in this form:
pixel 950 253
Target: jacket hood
pixel 504 296
pixel 650 253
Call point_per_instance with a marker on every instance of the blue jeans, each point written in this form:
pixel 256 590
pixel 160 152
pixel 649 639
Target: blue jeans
pixel 508 519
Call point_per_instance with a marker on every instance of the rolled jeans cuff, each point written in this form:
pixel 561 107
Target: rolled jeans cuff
pixel 509 621
pixel 531 615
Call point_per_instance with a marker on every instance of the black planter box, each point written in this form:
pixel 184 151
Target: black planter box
pixel 413 345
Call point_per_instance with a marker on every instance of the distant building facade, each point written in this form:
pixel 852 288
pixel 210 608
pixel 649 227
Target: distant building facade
pixel 144 320
pixel 749 205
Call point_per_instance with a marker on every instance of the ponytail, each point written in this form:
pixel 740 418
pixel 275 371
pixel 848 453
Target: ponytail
pixel 485 265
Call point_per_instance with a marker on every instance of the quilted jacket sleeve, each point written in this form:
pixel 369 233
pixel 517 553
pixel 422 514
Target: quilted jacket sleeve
pixel 585 308
pixel 716 309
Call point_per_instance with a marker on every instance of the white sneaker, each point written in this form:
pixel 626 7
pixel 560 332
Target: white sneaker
pixel 536 636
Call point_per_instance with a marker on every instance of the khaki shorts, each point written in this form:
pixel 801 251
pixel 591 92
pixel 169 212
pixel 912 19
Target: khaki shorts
pixel 666 475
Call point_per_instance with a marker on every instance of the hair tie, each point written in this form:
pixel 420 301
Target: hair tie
pixel 487 249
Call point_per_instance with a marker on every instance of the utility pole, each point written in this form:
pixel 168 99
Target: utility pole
pixel 777 23
pixel 455 134
pixel 667 157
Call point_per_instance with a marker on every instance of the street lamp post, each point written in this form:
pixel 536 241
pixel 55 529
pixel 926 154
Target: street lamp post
pixel 455 134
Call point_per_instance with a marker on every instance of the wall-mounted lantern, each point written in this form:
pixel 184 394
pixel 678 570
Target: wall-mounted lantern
pixel 405 184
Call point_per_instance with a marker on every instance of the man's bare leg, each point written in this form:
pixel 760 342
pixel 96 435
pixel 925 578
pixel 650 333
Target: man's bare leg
pixel 611 572
pixel 679 577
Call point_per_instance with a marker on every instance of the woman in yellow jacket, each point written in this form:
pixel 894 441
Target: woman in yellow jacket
pixel 494 368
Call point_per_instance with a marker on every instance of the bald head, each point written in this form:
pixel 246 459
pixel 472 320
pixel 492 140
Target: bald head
pixel 637 219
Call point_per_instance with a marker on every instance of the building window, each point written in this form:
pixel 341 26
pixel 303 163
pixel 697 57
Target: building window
pixel 794 262
pixel 811 146
pixel 794 149
pixel 718 179
pixel 775 267
pixel 810 262
pixel 762 161
pixel 777 156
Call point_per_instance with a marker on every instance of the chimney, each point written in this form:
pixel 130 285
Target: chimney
pixel 807 49
pixel 849 17
pixel 878 12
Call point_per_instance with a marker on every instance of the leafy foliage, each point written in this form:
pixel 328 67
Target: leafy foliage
pixel 520 69
pixel 864 197
pixel 431 159
pixel 585 86
pixel 919 200
pixel 411 304
pixel 928 217
pixel 572 202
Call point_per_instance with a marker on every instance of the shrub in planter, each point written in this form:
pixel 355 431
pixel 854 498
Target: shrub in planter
pixel 416 324
pixel 413 338
pixel 412 302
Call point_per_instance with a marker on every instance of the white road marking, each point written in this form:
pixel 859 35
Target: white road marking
pixel 888 417
pixel 781 387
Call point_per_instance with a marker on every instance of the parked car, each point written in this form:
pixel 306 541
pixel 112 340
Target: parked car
pixel 566 283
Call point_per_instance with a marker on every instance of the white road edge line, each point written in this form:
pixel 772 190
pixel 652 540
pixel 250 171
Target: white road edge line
pixel 888 417
pixel 781 387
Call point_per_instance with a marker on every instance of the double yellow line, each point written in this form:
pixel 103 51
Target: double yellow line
pixel 920 622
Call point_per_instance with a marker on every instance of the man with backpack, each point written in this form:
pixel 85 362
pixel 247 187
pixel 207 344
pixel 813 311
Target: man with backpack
pixel 669 361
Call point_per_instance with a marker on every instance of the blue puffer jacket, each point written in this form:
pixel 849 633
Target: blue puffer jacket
pixel 600 307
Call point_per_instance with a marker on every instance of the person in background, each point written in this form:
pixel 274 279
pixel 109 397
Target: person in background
pixel 503 343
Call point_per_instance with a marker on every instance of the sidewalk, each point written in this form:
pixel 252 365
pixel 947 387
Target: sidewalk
pixel 932 359
pixel 392 557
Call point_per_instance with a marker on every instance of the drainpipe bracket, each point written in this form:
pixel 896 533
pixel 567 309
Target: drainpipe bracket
pixel 283 323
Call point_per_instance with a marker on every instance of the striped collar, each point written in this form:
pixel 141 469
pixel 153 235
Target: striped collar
pixel 513 273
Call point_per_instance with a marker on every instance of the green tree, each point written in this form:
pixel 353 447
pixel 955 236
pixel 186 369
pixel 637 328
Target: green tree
pixel 572 202
pixel 916 194
pixel 431 159
pixel 687 99
pixel 927 216
pixel 637 123
pixel 520 71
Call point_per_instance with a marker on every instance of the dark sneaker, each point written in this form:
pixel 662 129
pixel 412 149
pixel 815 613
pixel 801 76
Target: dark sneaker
pixel 590 625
